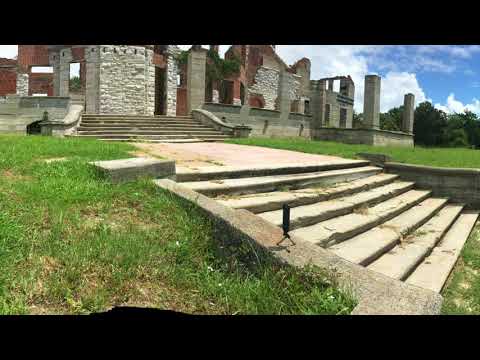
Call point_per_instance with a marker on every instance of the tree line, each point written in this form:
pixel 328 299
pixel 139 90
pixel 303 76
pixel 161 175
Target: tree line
pixel 433 127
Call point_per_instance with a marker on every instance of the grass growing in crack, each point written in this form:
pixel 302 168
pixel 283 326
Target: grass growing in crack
pixel 462 291
pixel 71 243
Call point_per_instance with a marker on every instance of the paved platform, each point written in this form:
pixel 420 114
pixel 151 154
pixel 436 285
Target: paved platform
pixel 194 155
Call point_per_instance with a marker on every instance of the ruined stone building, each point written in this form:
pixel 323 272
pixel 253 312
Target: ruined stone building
pixel 259 89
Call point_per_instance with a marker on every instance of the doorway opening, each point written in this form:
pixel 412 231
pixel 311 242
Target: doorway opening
pixel 160 94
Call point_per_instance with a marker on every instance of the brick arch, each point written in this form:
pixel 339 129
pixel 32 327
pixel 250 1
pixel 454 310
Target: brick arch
pixel 257 101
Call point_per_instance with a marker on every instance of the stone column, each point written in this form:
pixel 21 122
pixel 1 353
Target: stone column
pixel 330 85
pixel 301 106
pixel 408 113
pixel 65 60
pixel 171 83
pixel 149 82
pixel 92 79
pixel 22 84
pixel 215 96
pixel 54 61
pixel 371 103
pixel 197 62
pixel 236 93
pixel 284 103
pixel 318 101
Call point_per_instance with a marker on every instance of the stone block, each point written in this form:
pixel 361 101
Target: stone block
pixel 131 169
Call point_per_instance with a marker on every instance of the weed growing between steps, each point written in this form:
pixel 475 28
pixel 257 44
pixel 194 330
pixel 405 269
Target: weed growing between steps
pixel 443 157
pixel 462 291
pixel 71 243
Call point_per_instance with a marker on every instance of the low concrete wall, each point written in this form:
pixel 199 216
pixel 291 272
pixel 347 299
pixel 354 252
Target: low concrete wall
pixel 125 170
pixel 209 119
pixel 375 292
pixel 364 136
pixel 16 113
pixel 65 126
pixel 264 123
pixel 460 185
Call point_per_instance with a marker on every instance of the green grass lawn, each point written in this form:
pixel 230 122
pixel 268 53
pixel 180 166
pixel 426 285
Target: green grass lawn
pixel 451 157
pixel 73 243
pixel 462 291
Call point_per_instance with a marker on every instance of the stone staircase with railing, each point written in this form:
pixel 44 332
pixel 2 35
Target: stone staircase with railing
pixel 146 129
pixel 356 211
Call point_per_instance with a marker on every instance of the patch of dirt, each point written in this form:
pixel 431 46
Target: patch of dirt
pixel 10 175
pixel 48 161
pixel 362 210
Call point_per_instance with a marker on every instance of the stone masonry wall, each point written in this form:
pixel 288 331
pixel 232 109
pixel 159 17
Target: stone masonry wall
pixel 171 83
pixel 266 84
pixel 22 84
pixel 294 86
pixel 127 80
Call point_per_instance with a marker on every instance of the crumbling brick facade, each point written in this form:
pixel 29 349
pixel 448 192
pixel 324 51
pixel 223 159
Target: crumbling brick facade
pixel 8 76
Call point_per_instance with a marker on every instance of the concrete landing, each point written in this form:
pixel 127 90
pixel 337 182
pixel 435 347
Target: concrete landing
pixel 194 155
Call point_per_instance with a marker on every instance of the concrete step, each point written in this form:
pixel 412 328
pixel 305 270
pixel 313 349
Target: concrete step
pixel 119 116
pixel 272 183
pixel 336 230
pixel 368 246
pixel 137 122
pixel 90 127
pixel 113 132
pixel 263 202
pixel 433 272
pixel 127 136
pixel 307 215
pixel 181 141
pixel 399 262
pixel 237 172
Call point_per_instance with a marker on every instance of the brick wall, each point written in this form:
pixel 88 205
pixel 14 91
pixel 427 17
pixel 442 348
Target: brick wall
pixel 8 81
pixel 32 55
pixel 40 84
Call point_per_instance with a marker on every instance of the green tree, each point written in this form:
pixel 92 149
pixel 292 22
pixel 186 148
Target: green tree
pixel 471 124
pixel 357 121
pixel 75 84
pixel 392 120
pixel 454 132
pixel 429 125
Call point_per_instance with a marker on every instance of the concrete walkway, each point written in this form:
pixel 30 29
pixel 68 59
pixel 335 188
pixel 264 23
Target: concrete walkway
pixel 195 155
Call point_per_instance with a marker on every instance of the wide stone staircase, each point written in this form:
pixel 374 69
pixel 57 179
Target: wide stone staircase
pixel 146 129
pixel 354 210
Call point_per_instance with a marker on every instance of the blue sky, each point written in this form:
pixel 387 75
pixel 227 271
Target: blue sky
pixel 446 75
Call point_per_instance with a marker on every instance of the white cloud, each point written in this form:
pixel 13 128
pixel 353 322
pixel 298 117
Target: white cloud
pixel 394 87
pixel 8 51
pixel 455 106
pixel 332 60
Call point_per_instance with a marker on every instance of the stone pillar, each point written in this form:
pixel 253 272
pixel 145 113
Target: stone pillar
pixel 284 103
pixel 330 85
pixel 171 83
pixel 65 60
pixel 92 79
pixel 408 113
pixel 149 81
pixel 54 61
pixel 197 62
pixel 301 106
pixel 22 84
pixel 371 104
pixel 215 96
pixel 318 101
